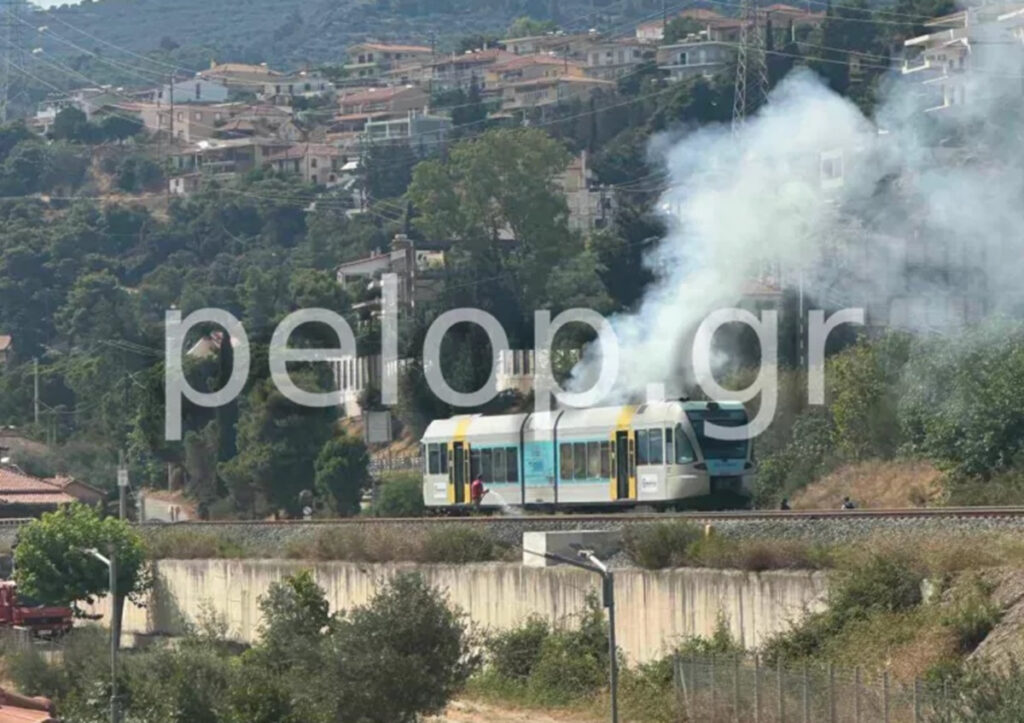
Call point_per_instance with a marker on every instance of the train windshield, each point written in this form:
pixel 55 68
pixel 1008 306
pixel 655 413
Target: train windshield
pixel 719 448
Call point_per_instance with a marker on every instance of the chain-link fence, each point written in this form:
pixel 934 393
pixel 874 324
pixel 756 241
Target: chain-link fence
pixel 741 688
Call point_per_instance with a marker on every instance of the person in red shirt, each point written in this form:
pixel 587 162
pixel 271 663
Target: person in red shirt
pixel 476 492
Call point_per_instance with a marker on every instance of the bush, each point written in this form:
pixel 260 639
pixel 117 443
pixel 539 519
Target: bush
pixel 573 664
pixel 460 544
pixel 514 653
pixel 172 544
pixel 443 544
pixel 973 615
pixel 660 545
pixel 401 496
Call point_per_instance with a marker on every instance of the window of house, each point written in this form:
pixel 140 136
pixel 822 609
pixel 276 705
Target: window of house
pixel 218 116
pixel 197 116
pixel 181 115
pixel 312 163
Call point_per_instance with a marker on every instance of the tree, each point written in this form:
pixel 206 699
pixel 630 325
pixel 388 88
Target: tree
pixel 403 655
pixel 71 124
pixel 341 473
pixel 50 563
pixel 526 26
pixel 679 28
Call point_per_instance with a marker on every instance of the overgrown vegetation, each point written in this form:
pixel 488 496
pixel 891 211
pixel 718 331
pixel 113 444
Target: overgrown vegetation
pixel 402 655
pixel 684 544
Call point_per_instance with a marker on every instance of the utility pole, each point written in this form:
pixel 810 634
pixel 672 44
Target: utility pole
pixel 171 115
pixel 122 486
pixel 35 389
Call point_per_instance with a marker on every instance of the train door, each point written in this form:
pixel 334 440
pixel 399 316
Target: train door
pixel 457 472
pixel 622 464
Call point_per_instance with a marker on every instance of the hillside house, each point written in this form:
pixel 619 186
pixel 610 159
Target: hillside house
pixel 611 59
pixel 220 159
pixel 400 99
pixel 316 163
pixel 944 61
pixel 417 130
pixel 529 67
pixel 283 89
pixel 549 91
pixel 241 77
pixel 591 207
pixel 370 60
pixel 459 72
pixel 6 349
pixel 194 90
pixel 653 32
pixel 415 269
pixel 556 43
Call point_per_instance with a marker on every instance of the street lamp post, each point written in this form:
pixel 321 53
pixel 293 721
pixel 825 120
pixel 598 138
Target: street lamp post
pixel 111 563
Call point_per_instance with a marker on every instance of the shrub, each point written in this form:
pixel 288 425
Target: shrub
pixel 972 615
pixel 573 664
pixel 401 496
pixel 514 653
pixel 459 544
pixel 184 544
pixel 660 545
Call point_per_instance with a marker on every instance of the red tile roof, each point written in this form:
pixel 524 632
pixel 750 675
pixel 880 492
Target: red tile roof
pixel 374 95
pixel 18 488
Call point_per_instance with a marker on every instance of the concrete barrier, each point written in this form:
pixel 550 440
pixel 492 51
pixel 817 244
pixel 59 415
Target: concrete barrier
pixel 655 609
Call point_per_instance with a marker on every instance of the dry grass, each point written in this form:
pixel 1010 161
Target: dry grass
pixel 875 483
pixel 443 544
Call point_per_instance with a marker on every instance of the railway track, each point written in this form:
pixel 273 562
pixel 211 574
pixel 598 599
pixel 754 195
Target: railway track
pixel 626 517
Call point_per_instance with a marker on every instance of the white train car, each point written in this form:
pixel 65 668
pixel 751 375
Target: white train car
pixel 654 455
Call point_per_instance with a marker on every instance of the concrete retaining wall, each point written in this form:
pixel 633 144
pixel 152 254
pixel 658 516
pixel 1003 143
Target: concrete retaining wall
pixel 654 608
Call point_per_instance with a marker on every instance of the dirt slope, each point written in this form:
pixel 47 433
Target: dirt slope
pixel 875 483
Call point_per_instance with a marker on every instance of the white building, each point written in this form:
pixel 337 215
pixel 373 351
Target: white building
pixel 194 90
pixel 967 55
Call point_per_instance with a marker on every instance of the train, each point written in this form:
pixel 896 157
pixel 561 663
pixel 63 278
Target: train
pixel 650 456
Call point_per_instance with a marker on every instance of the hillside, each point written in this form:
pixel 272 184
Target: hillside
pixel 290 33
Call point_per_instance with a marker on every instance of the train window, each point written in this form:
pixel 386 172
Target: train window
pixel 593 460
pixel 579 460
pixel 656 446
pixel 684 450
pixel 606 465
pixel 498 464
pixel 443 449
pixel 474 463
pixel 641 446
pixel 565 461
pixel 512 464
pixel 434 460
pixel 486 468
pixel 668 444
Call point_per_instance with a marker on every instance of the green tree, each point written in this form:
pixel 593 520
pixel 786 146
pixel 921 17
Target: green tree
pixel 401 656
pixel 51 564
pixel 342 473
pixel 71 124
pixel 526 26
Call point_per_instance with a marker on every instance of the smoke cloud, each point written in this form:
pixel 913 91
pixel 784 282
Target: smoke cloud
pixel 914 215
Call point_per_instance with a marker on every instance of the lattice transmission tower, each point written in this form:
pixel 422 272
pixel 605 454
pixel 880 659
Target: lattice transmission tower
pixel 751 89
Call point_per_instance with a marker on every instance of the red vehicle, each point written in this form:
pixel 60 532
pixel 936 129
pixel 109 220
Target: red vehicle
pixel 19 611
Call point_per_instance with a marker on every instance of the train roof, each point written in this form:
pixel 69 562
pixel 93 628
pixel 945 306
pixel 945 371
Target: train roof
pixel 579 421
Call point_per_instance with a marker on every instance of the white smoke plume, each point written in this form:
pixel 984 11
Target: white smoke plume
pixel 914 216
